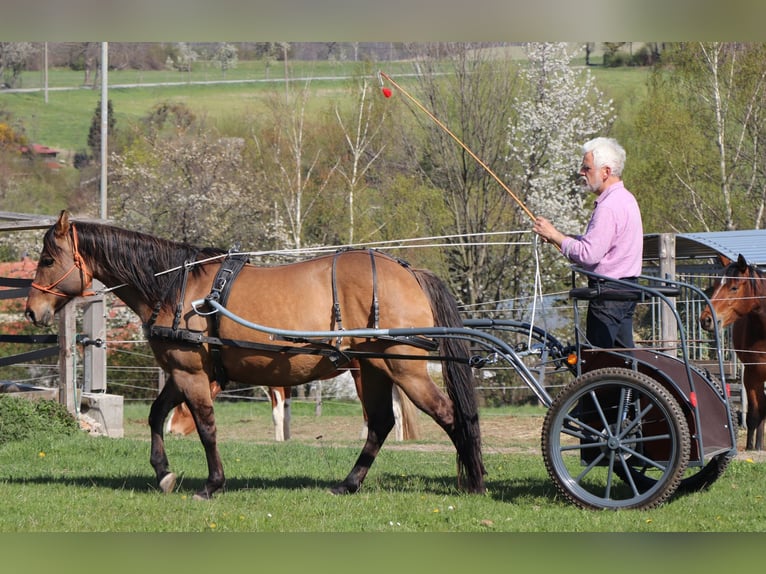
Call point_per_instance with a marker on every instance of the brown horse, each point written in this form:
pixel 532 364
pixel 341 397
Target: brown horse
pixel 159 279
pixel 738 299
pixel 181 421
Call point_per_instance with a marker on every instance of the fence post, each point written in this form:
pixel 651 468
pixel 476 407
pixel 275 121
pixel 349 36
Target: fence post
pixel 668 325
pixel 67 376
pixel 94 355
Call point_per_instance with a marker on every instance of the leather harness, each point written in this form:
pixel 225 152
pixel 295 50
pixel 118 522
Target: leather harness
pixel 227 273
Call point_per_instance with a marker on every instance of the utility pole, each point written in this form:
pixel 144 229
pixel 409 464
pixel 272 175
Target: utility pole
pixel 45 71
pixel 104 123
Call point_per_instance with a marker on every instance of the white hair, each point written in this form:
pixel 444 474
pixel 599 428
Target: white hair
pixel 606 152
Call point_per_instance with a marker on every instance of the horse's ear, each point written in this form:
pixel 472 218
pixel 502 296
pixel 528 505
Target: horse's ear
pixel 741 262
pixel 62 225
pixel 725 261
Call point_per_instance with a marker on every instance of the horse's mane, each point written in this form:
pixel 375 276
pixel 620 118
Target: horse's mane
pixel 136 258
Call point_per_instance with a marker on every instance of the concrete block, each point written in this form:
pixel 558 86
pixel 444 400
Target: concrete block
pixel 106 411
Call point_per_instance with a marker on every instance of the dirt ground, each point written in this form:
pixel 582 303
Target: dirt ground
pixel 501 433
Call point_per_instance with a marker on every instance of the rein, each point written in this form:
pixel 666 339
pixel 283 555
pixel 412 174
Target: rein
pixel 86 276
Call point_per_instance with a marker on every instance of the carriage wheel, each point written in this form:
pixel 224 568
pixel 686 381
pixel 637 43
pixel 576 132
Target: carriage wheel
pixel 607 424
pixel 695 479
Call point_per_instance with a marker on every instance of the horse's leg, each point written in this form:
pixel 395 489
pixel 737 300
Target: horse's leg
pixel 413 379
pixel 200 403
pixel 397 405
pixel 377 404
pixel 169 397
pixel 356 374
pixel 279 413
pixel 756 408
pixel 761 414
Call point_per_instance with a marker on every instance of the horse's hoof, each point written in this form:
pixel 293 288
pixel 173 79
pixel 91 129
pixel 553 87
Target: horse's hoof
pixel 343 488
pixel 202 495
pixel 168 483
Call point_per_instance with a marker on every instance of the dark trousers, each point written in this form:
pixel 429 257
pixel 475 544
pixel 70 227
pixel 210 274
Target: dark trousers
pixel 610 323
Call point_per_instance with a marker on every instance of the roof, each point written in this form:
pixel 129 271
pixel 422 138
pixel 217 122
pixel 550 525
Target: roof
pixel 749 242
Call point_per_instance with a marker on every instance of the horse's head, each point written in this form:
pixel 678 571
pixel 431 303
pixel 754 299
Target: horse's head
pixel 61 273
pixel 736 294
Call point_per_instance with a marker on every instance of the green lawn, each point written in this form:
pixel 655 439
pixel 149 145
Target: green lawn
pixel 87 484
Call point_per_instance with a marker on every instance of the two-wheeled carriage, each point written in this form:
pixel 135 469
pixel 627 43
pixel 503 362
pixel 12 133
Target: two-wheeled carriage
pixel 632 428
pixel 635 425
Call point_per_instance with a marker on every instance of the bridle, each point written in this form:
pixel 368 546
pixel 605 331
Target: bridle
pixel 78 263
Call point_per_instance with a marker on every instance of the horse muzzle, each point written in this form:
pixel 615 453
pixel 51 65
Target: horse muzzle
pixel 707 323
pixel 40 319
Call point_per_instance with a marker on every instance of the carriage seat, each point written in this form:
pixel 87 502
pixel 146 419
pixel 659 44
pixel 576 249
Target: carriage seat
pixel 615 294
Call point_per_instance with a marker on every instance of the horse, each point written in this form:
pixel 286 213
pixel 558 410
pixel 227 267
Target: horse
pixel 180 421
pixel 349 290
pixel 738 299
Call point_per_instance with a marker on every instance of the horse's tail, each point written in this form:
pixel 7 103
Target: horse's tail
pixel 458 380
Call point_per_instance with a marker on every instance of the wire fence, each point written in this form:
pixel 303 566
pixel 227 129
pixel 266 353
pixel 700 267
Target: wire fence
pixel 131 370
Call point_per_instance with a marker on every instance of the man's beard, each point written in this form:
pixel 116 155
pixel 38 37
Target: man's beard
pixel 587 187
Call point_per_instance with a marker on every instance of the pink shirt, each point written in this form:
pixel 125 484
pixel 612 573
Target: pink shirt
pixel 613 242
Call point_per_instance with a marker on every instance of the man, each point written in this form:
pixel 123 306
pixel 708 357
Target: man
pixel 612 244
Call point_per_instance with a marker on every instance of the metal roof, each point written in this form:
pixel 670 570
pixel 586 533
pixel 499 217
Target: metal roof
pixel 749 242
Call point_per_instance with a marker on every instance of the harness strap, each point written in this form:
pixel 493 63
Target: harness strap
pixel 375 311
pixel 375 303
pixel 182 296
pixel 227 273
pixel 335 301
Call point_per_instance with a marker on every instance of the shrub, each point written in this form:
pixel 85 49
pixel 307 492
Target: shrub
pixel 21 418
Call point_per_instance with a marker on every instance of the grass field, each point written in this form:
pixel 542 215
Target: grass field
pixel 64 121
pixel 87 484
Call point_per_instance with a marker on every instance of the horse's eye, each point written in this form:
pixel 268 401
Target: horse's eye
pixel 46 261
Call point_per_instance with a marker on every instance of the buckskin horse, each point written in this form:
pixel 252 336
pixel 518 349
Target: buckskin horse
pixel 352 289
pixel 737 299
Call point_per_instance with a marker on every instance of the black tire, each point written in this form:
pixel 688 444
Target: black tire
pixel 695 478
pixel 604 426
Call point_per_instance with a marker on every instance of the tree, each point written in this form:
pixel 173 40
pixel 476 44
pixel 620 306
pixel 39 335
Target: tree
pixel 185 57
pixel 610 53
pixel 192 186
pixel 13 58
pixel 84 56
pixel 360 133
pixel 469 88
pixel 226 56
pixel 290 163
pixel 94 133
pixel 711 172
pixel 558 110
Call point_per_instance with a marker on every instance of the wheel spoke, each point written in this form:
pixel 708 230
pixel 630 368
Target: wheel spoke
pixel 601 414
pixel 585 427
pixel 629 475
pixel 636 421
